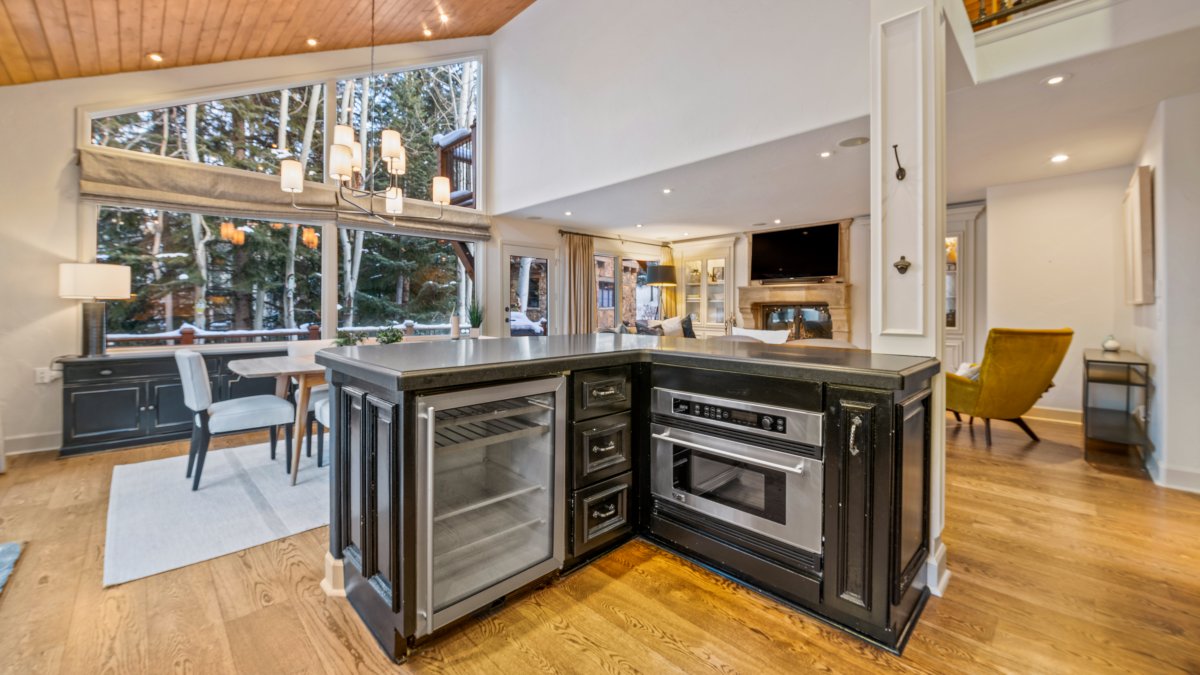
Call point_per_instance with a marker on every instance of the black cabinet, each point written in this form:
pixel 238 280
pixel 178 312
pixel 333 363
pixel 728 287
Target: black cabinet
pixel 113 402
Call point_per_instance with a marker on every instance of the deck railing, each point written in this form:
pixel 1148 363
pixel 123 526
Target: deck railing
pixel 190 335
pixel 988 13
pixel 456 161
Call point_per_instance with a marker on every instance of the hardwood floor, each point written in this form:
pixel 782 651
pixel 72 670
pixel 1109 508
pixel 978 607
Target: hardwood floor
pixel 1058 566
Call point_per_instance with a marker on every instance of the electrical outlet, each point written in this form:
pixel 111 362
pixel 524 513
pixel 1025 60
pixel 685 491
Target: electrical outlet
pixel 46 375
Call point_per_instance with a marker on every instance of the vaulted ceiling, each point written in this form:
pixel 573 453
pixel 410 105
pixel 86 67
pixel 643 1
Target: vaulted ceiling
pixel 57 39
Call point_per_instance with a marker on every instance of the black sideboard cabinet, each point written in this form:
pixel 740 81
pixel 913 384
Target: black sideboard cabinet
pixel 112 402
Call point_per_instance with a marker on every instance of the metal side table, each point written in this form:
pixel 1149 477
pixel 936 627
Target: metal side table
pixel 1125 369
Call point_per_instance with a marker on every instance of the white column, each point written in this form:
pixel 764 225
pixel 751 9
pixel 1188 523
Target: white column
pixel 908 54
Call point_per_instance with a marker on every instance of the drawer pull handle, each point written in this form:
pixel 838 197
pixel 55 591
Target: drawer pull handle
pixel 608 512
pixel 599 449
pixel 605 392
pixel 855 422
pixel 106 371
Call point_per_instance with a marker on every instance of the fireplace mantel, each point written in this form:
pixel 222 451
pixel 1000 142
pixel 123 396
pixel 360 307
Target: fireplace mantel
pixel 836 295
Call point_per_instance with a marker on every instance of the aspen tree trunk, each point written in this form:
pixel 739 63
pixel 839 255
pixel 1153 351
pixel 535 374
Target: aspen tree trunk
pixel 285 99
pixel 160 226
pixel 200 235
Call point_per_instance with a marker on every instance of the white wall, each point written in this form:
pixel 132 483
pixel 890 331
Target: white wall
pixel 1165 332
pixel 1052 257
pixel 39 209
pixel 587 94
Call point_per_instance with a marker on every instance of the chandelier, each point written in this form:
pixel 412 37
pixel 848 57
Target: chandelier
pixel 346 162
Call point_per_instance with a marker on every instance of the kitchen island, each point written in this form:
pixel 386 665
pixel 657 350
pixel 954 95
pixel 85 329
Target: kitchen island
pixel 467 471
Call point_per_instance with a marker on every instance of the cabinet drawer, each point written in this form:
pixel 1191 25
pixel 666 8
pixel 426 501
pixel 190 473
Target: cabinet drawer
pixel 114 370
pixel 602 448
pixel 601 513
pixel 601 392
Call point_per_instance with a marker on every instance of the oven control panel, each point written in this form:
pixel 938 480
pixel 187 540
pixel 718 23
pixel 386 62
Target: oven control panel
pixel 728 415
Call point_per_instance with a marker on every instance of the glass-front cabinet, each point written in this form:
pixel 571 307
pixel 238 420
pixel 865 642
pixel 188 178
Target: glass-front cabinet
pixel 706 286
pixel 961 277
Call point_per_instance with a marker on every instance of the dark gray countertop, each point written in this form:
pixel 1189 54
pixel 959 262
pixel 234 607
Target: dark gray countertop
pixel 424 365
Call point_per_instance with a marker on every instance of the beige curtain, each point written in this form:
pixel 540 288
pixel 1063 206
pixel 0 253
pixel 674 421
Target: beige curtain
pixel 581 284
pixel 669 303
pixel 124 178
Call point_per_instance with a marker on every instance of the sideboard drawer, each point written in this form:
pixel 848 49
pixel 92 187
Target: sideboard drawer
pixel 116 370
pixel 602 391
pixel 602 448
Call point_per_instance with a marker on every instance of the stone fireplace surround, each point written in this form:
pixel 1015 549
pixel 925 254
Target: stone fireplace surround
pixel 751 300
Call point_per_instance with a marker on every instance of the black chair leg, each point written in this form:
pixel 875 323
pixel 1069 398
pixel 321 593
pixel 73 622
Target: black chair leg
pixel 287 449
pixel 274 441
pixel 196 431
pixel 201 453
pixel 309 421
pixel 987 429
pixel 320 445
pixel 957 416
pixel 1025 427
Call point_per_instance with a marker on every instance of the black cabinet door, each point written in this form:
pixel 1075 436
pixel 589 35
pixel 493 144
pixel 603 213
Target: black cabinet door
pixel 165 410
pixel 104 412
pixel 857 471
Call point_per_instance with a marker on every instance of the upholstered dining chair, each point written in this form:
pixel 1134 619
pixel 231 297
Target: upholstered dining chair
pixel 1018 367
pixel 317 393
pixel 215 418
pixel 321 415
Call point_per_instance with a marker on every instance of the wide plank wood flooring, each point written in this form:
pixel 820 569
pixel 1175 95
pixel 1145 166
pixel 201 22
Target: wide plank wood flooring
pixel 1058 567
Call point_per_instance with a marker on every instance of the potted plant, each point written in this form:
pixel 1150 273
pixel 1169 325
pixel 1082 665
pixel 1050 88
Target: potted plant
pixel 390 335
pixel 475 316
pixel 347 339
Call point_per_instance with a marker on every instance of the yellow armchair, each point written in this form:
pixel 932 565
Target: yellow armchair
pixel 1018 367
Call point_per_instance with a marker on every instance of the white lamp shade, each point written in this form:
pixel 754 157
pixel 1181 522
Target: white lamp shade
pixel 340 161
pixel 88 281
pixel 399 164
pixel 394 201
pixel 441 190
pixel 291 176
pixel 356 156
pixel 343 134
pixel 390 146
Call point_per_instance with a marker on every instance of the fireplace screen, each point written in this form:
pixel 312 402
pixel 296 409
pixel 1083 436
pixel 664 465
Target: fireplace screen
pixel 805 321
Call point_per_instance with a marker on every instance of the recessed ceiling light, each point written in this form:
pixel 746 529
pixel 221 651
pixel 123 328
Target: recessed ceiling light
pixel 427 33
pixel 666 191
pixel 312 42
pixel 155 57
pixel 443 18
pixel 825 154
pixel 778 221
pixel 566 213
pixel 639 225
pixel 1055 80
pixel 1059 158
pixel 853 141
pixel 685 234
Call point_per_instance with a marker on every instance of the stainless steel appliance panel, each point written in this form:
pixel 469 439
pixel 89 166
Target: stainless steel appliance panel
pixel 798 426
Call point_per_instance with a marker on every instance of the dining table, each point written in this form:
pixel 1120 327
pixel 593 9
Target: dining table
pixel 307 374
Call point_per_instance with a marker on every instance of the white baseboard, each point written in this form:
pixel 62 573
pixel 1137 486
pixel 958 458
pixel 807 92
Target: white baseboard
pixel 937 573
pixel 20 445
pixel 1187 480
pixel 1054 415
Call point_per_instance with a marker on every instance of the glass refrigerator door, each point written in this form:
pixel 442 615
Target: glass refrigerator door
pixel 493 470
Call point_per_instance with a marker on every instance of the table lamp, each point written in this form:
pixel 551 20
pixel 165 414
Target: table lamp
pixel 94 283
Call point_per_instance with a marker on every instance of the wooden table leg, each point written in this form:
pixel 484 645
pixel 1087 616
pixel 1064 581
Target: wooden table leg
pixel 303 389
pixel 281 385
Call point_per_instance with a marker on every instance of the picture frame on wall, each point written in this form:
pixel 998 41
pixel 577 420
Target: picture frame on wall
pixel 1138 205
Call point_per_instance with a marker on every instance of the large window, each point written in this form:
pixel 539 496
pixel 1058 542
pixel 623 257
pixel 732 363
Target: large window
pixel 622 294
pixel 251 132
pixel 196 276
pixel 434 109
pixel 391 279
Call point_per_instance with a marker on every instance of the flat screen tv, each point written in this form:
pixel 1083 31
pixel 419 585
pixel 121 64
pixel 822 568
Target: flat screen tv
pixel 804 253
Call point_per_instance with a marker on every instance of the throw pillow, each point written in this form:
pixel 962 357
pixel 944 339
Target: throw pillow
pixel 672 327
pixel 688 331
pixel 968 370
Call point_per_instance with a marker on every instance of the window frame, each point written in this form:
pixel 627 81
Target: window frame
pixel 88 212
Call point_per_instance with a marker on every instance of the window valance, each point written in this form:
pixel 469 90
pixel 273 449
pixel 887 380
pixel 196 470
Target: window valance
pixel 122 178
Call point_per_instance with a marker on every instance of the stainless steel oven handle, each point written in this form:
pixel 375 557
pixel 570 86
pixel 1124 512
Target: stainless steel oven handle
pixel 798 469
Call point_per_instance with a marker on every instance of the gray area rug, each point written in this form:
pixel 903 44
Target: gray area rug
pixel 156 523
pixel 9 552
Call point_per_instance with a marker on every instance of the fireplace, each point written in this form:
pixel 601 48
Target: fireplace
pixel 776 306
pixel 802 321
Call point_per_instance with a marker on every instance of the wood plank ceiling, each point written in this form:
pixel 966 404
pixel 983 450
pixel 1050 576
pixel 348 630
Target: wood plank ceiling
pixel 57 39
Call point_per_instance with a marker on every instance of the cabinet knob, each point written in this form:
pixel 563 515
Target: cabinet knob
pixel 142 408
pixel 106 371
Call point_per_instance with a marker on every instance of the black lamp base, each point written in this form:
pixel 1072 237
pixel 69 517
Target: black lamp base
pixel 94 334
